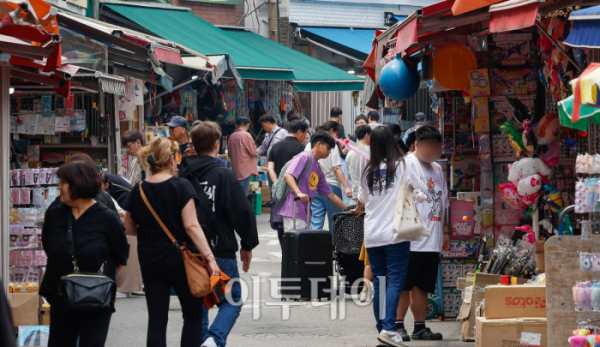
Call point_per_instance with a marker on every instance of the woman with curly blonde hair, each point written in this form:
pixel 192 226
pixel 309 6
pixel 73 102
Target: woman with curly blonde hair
pixel 174 200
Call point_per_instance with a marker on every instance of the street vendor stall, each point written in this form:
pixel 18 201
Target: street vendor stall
pixel 519 130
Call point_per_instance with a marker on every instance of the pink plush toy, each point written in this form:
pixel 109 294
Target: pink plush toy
pixel 578 341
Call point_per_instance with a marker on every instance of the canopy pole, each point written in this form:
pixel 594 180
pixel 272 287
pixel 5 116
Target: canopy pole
pixel 537 24
pixel 4 171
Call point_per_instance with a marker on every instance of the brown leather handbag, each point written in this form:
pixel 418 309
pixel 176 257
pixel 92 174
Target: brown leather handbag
pixel 196 270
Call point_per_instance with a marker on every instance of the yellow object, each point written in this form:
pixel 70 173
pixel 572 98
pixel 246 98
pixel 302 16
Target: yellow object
pixel 364 255
pixel 589 87
pixel 451 66
pixel 583 332
pixel 513 281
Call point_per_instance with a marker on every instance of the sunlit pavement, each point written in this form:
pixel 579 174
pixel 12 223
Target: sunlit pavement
pixel 267 321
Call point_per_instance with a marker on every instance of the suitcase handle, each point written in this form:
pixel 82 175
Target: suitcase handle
pixel 307 212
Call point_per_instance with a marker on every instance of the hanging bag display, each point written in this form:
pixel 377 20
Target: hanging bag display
pixel 195 267
pixel 85 291
pixel 408 223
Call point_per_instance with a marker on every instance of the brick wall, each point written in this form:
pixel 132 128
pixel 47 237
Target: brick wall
pixel 216 14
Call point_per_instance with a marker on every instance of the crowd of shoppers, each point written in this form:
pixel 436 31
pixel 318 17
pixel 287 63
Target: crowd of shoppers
pixel 179 183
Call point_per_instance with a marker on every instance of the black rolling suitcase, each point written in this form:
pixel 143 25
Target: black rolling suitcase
pixel 307 254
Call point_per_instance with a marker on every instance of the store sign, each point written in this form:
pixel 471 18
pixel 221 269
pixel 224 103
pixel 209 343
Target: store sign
pixel 80 3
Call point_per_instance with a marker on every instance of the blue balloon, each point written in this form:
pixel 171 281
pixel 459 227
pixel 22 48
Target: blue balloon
pixel 399 80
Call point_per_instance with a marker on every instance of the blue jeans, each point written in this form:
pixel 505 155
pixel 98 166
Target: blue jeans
pixel 390 261
pixel 228 312
pixel 321 206
pixel 245 184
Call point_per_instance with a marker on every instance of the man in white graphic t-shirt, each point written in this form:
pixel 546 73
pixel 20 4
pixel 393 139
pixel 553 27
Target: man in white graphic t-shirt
pixel 422 273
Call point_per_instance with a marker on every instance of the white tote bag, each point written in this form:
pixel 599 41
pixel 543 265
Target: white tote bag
pixel 408 223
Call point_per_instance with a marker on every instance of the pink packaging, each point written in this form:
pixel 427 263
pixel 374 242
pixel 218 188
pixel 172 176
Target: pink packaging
pixel 13 258
pixel 21 177
pixel 16 196
pixel 25 196
pixel 14 178
pixel 26 258
pixel 48 179
pixel 28 238
pixel 19 275
pixel 15 236
pixel 36 177
pixel 28 177
pixel 40 258
pixel 34 275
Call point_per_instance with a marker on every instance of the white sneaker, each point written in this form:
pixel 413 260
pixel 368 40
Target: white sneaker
pixel 363 295
pixel 210 342
pixel 391 338
pixel 123 295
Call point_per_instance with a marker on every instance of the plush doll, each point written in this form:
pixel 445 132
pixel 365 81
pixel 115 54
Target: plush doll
pixel 527 167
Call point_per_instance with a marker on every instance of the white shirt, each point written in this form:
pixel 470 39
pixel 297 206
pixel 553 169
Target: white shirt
pixel 327 165
pixel 432 210
pixel 355 165
pixel 380 207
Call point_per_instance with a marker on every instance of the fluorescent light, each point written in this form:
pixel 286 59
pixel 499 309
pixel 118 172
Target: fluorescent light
pixel 351 72
pixel 194 77
pixel 11 90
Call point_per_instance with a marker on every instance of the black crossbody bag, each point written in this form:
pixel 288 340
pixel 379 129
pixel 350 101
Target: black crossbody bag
pixel 85 291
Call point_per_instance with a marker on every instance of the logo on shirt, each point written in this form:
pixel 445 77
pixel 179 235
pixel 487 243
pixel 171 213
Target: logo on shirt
pixel 435 199
pixel 313 180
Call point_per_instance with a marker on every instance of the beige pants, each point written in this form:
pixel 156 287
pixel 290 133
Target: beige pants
pixel 129 279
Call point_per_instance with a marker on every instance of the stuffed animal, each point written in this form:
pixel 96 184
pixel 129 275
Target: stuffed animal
pixel 527 167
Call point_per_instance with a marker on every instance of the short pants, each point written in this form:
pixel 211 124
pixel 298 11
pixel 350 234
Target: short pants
pixel 422 271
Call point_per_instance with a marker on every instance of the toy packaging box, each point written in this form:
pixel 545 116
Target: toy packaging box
pixel 479 81
pixel 461 219
pixel 481 113
pixel 465 174
pixel 513 82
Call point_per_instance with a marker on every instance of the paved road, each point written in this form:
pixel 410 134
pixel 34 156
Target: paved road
pixel 307 324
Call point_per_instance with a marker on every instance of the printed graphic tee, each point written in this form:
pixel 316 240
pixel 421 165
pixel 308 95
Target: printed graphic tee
pixel 432 210
pixel 312 183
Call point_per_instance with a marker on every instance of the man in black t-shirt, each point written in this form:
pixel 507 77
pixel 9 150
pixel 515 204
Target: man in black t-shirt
pixel 282 152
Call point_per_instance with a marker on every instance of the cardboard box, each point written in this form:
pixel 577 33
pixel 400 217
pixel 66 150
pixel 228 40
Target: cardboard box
pixel 25 308
pixel 472 297
pixel 515 301
pixel 511 332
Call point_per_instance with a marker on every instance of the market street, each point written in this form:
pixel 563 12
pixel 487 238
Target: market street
pixel 309 324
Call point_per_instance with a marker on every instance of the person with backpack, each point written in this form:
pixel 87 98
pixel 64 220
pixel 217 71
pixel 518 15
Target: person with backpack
pixel 303 177
pixel 281 154
pixel 332 168
pixel 223 211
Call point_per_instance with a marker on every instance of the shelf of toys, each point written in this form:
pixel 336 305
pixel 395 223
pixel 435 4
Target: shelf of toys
pixel 510 152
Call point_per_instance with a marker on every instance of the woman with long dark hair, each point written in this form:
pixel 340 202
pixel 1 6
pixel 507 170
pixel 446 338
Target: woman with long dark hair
pixel 380 188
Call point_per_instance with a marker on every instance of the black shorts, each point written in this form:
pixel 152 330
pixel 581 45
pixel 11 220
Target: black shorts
pixel 422 271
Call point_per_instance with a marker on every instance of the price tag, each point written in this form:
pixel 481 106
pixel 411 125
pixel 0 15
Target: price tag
pixel 531 339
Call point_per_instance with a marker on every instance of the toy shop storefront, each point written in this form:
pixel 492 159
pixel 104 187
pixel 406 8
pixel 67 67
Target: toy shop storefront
pixel 514 86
